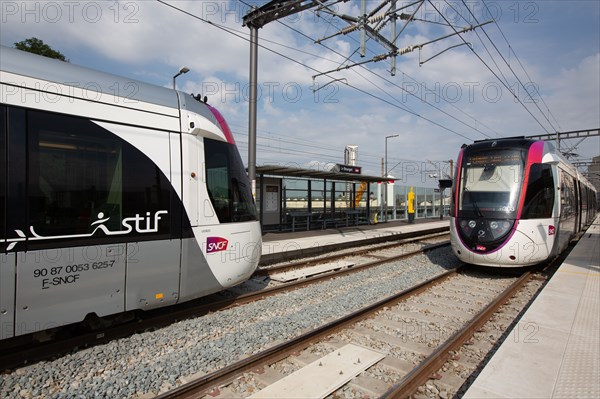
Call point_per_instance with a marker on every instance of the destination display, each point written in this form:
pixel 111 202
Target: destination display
pixel 495 158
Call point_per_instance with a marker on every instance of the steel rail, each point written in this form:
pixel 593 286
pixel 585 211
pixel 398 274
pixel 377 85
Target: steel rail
pixel 37 352
pixel 267 271
pixel 419 375
pixel 256 295
pixel 269 259
pixel 271 355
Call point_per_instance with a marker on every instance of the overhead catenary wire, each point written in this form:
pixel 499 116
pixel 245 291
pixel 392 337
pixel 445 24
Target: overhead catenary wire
pixel 392 83
pixel 332 156
pixel 491 70
pixel 522 67
pixel 403 89
pixel 510 67
pixel 228 30
pixel 329 155
pixel 311 68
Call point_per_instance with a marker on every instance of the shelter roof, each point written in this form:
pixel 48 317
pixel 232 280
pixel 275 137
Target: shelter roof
pixel 286 171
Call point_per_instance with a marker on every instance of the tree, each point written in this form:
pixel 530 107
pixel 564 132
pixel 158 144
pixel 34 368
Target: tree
pixel 37 46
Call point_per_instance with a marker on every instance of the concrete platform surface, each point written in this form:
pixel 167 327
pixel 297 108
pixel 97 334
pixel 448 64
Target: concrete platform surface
pixel 554 350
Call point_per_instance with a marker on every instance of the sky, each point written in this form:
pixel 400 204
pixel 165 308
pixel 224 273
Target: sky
pixel 533 69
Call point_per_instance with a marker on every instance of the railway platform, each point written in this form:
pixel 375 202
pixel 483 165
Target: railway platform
pixel 554 349
pixel 279 247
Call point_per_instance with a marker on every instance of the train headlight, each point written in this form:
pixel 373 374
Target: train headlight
pixel 498 228
pixel 467 226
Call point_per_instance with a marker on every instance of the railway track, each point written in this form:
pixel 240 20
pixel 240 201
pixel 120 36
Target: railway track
pixel 342 262
pixel 26 352
pixel 390 349
pixel 368 251
pixel 150 364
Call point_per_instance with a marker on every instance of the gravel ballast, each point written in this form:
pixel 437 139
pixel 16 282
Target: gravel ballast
pixel 146 364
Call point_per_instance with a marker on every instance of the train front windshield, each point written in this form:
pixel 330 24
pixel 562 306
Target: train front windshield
pixel 490 183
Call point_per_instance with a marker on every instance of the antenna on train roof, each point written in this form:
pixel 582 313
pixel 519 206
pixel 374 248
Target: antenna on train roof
pixel 199 98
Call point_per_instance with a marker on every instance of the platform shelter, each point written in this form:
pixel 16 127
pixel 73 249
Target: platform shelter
pixel 290 198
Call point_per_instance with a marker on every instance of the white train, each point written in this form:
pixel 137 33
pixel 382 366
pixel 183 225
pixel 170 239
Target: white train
pixel 115 195
pixel 516 202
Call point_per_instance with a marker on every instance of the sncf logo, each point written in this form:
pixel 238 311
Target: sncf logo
pixel 215 244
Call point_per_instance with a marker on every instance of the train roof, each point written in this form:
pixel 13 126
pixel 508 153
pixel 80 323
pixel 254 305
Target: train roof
pixel 510 142
pixel 38 67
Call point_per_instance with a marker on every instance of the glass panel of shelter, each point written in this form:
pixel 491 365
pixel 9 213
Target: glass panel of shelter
pixel 331 204
pixel 328 202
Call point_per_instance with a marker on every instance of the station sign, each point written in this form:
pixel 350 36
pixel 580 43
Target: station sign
pixel 357 170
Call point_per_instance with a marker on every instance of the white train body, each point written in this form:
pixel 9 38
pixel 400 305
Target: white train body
pixel 516 202
pixel 115 195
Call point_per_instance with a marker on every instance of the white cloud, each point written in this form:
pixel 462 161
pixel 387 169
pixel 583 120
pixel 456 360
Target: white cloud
pixel 154 40
pixel 569 87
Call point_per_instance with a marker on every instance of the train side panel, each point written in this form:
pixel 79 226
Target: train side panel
pixel 122 196
pixel 7 294
pixel 60 286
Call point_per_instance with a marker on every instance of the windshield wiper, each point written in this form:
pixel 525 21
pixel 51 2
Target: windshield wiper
pixel 474 202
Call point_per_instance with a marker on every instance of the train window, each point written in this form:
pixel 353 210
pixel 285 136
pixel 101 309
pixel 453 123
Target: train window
pixel 83 178
pixel 227 183
pixel 3 177
pixel 567 196
pixel 539 197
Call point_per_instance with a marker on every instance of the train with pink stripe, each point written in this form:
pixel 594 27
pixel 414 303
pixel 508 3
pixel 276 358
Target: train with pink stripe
pixel 116 196
pixel 516 202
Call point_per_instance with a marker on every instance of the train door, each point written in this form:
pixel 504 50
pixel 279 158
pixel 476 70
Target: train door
pixel 60 172
pixel 583 205
pixel 568 209
pixel 191 176
pixel 196 196
pixel 196 278
pixel 577 204
pixel 7 260
pixel 153 259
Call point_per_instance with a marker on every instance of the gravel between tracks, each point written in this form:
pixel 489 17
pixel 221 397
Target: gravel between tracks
pixel 146 364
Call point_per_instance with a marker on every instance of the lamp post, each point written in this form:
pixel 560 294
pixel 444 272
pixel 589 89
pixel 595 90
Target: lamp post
pixel 183 70
pixel 386 175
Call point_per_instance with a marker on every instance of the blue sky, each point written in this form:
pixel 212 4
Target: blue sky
pixel 552 46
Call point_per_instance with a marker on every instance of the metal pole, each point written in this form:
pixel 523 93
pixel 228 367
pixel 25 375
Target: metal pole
pixel 385 187
pixel 385 190
pixel 441 176
pixel 252 108
pixel 393 37
pixel 363 31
